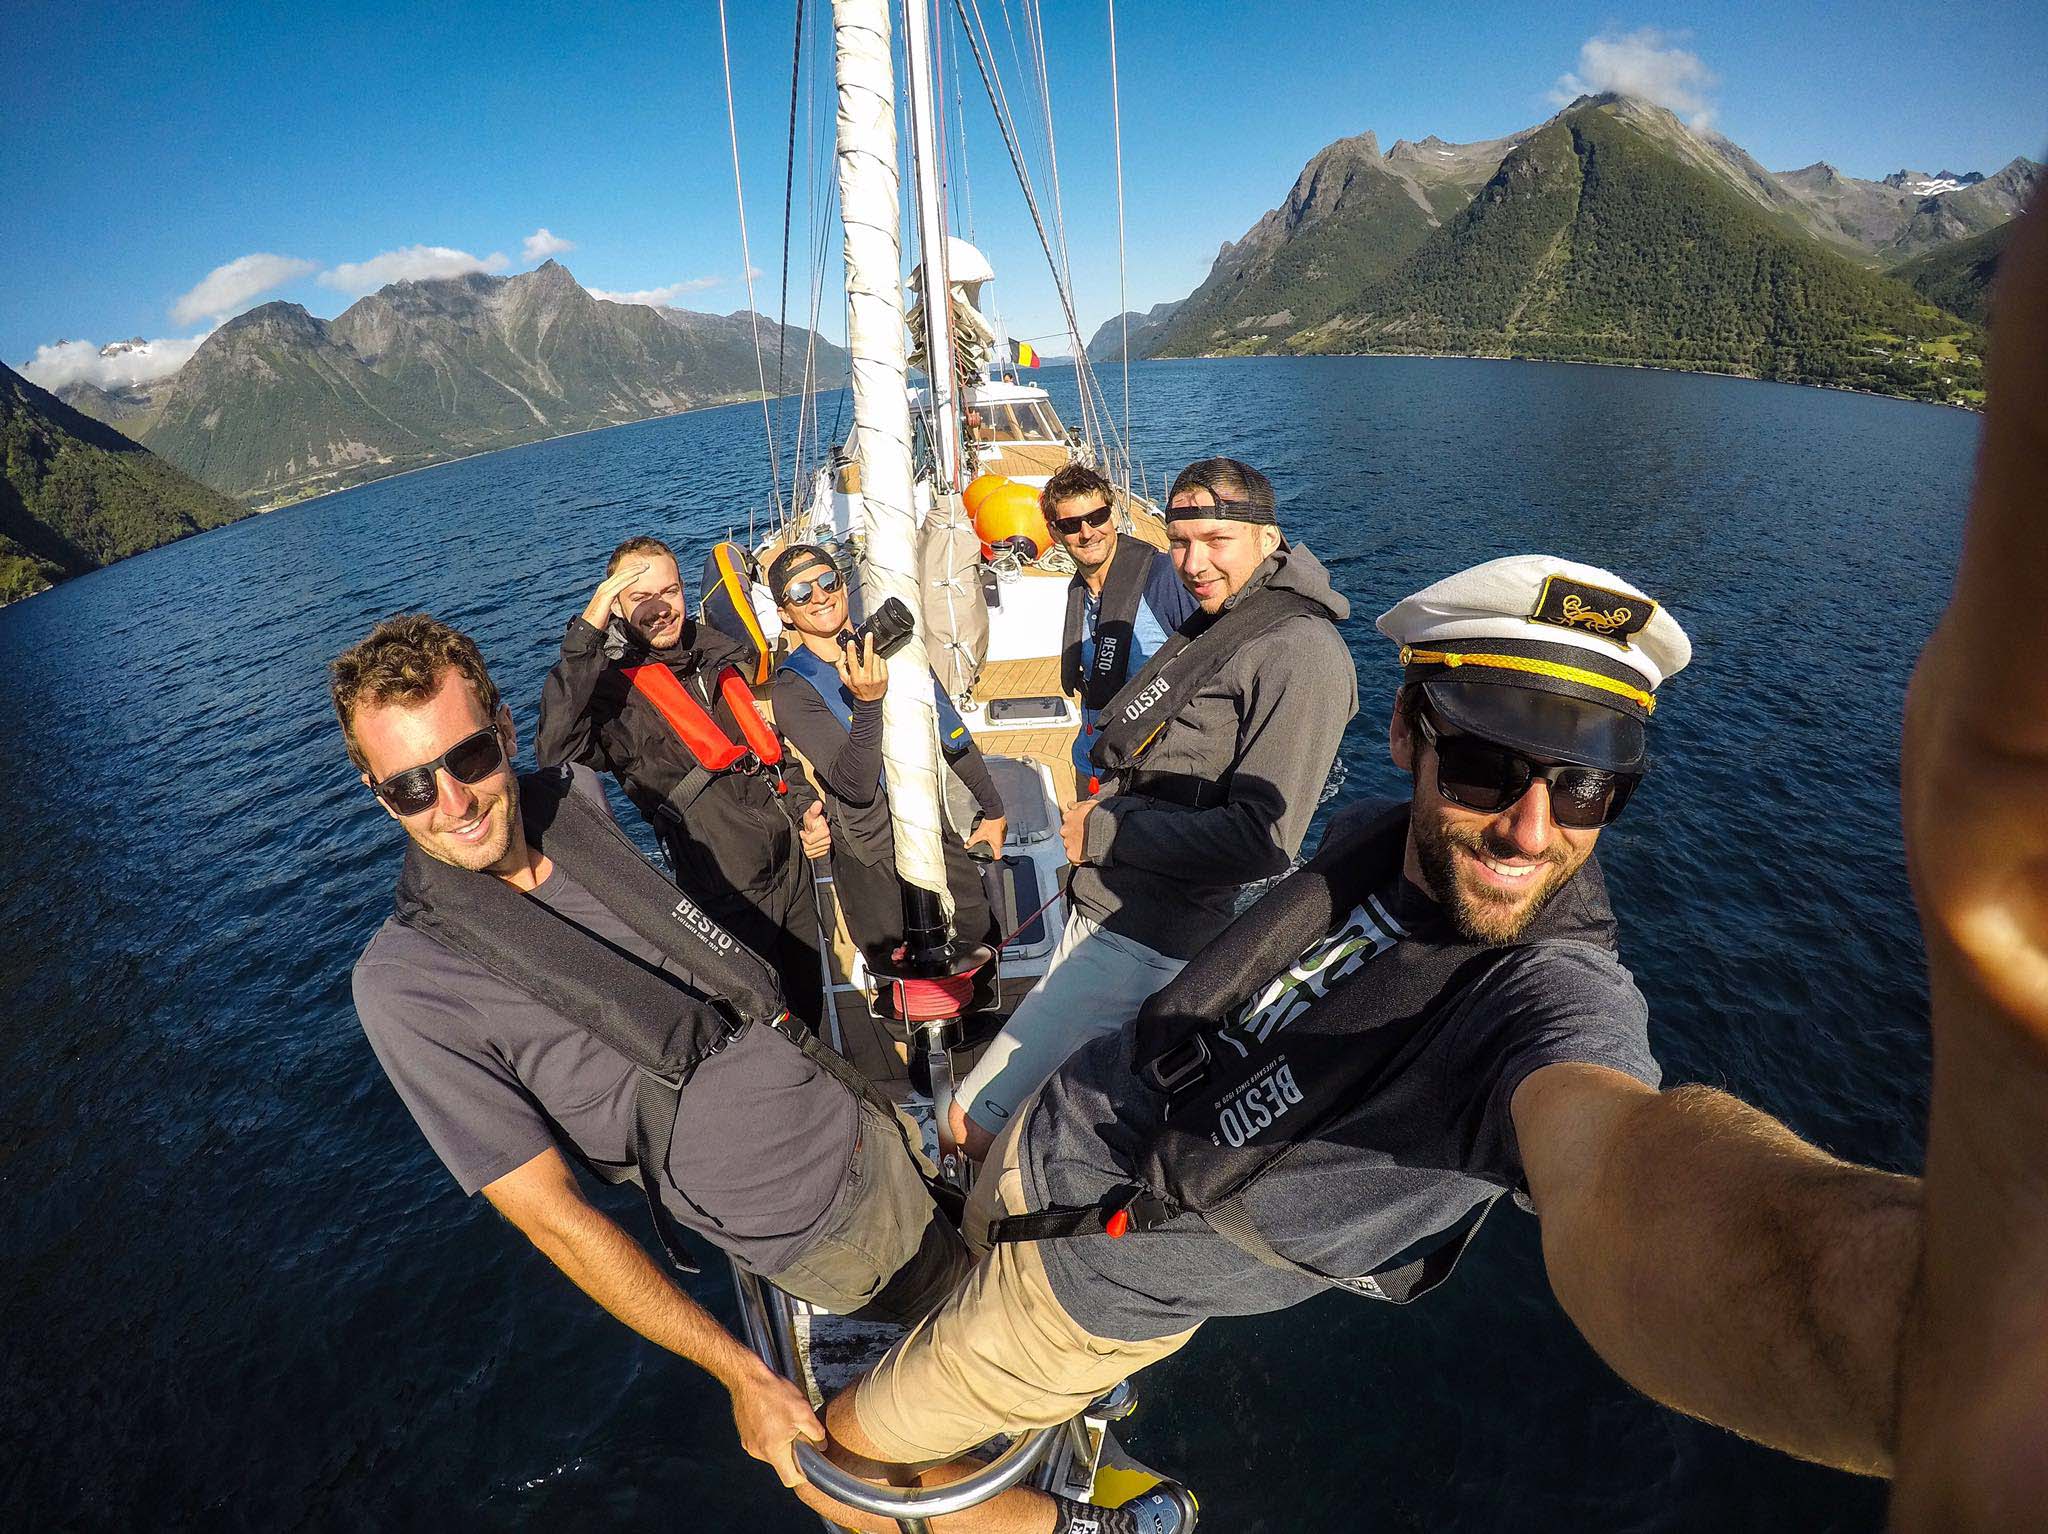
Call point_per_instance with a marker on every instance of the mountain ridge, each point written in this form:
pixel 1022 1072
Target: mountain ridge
pixel 1613 233
pixel 278 404
pixel 1323 273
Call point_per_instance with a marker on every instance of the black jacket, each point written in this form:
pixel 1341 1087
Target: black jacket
pixel 737 837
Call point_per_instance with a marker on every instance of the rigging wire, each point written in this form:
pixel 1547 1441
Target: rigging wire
pixel 1123 303
pixel 820 189
pixel 796 62
pixel 964 187
pixel 1007 124
pixel 1034 28
pixel 984 50
pixel 747 267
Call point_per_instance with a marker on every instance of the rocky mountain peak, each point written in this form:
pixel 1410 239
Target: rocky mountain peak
pixel 285 321
pixel 1321 187
pixel 550 274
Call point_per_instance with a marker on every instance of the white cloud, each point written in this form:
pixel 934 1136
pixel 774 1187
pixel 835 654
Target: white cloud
pixel 227 288
pixel 413 263
pixel 663 298
pixel 111 367
pixel 1645 63
pixel 544 242
pixel 660 297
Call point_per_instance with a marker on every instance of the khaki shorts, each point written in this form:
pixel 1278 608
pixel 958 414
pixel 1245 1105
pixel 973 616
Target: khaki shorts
pixel 1001 1355
pixel 889 1254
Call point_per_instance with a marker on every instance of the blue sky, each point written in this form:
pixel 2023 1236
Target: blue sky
pixel 144 148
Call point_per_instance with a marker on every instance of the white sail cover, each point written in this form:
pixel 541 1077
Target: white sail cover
pixel 974 338
pixel 881 412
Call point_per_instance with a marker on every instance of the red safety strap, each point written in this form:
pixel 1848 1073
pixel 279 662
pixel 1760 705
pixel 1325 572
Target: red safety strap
pixel 687 717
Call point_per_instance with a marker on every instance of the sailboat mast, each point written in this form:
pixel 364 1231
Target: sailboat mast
pixel 868 200
pixel 931 235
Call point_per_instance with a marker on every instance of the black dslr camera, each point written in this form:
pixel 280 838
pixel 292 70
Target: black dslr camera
pixel 891 624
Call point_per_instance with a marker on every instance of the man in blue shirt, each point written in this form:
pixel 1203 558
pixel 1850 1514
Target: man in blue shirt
pixel 1114 622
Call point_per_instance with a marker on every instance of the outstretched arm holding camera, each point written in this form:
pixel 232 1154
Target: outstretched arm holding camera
pixel 1973 1431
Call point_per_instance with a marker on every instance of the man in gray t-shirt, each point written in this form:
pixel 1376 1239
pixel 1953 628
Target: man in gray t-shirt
pixel 498 1043
pixel 1427 1018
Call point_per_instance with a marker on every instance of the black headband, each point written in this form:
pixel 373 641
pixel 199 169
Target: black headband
pixel 1226 511
pixel 791 558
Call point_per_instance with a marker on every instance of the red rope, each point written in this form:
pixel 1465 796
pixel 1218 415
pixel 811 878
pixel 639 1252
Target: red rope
pixel 924 1001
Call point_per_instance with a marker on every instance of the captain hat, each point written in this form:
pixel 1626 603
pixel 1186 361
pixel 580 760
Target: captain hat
pixel 1546 655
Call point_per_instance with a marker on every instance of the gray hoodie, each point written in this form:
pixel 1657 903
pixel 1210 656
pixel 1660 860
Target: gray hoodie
pixel 1265 730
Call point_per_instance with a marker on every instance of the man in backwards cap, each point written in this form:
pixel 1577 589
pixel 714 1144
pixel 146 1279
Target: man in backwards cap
pixel 1430 1014
pixel 1211 761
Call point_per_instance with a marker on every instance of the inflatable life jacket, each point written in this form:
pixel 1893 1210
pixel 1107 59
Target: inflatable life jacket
pixel 711 750
pixel 1171 679
pixel 666 1021
pixel 728 606
pixel 1130 567
pixel 1250 1058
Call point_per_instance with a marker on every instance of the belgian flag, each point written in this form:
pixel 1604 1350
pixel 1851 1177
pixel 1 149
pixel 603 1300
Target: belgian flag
pixel 1023 354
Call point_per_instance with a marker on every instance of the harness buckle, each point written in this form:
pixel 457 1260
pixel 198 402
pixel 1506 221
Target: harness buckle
pixel 1181 1066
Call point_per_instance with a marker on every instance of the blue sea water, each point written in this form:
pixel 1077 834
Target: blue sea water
pixel 239 1291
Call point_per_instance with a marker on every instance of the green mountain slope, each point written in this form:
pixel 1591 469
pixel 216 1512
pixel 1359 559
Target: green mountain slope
pixel 272 404
pixel 1146 327
pixel 1347 220
pixel 1958 277
pixel 1594 242
pixel 76 494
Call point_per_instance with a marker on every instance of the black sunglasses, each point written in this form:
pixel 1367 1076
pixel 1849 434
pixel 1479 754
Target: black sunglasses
pixel 1478 775
pixel 799 592
pixel 470 760
pixel 1068 526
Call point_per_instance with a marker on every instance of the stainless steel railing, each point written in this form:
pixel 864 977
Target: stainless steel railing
pixel 912 1505
pixel 765 1316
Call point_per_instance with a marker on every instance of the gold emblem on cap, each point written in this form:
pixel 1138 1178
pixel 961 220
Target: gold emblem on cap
pixel 1580 615
pixel 1567 602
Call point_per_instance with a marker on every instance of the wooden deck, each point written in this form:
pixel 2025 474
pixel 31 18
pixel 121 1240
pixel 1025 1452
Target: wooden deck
pixel 1035 678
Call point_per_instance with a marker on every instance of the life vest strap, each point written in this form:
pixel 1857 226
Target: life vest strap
pixel 1121 1211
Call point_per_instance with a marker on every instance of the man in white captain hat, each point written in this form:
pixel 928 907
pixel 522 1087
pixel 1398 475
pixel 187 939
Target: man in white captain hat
pixel 1513 664
pixel 1429 1015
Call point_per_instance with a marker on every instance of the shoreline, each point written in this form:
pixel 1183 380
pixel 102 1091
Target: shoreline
pixel 1640 367
pixel 485 452
pixel 1569 362
pixel 378 479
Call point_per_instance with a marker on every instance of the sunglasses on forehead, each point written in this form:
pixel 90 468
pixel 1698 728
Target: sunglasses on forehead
pixel 1476 774
pixel 799 592
pixel 470 760
pixel 1068 526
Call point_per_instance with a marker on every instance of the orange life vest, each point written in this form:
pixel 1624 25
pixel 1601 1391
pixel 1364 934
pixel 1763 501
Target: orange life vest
pixel 695 727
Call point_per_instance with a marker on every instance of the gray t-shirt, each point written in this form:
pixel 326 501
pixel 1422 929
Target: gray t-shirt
pixel 1413 1160
pixel 493 1078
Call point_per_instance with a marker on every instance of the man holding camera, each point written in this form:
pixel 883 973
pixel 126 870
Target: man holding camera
pixel 657 700
pixel 1429 1016
pixel 828 701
